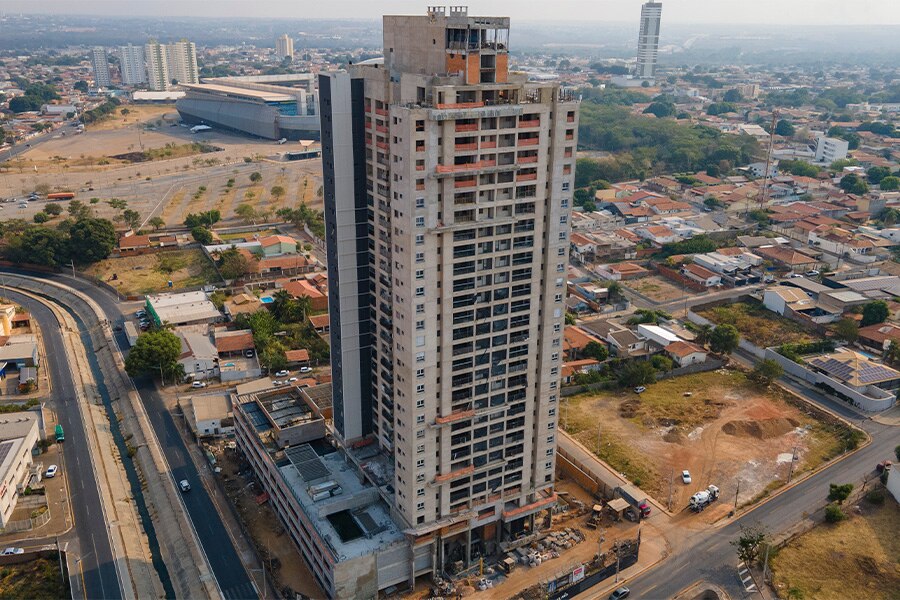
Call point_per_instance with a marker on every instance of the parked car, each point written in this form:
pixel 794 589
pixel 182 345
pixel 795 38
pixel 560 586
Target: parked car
pixel 686 477
pixel 812 273
pixel 51 471
pixel 796 276
pixel 277 383
pixel 292 380
pixel 11 550
pixel 622 592
pixel 249 353
pixel 282 373
pixel 198 384
pixel 640 389
pixel 305 370
pixel 141 313
pixel 184 485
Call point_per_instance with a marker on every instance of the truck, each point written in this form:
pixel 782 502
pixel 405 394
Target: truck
pixel 703 498
pixel 61 196
pixel 60 435
pixel 635 498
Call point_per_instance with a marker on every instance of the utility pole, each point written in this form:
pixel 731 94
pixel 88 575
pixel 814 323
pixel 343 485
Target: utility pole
pixel 618 557
pixel 738 491
pixel 766 563
pixel 793 460
pixel 72 262
pixel 765 190
pixel 671 479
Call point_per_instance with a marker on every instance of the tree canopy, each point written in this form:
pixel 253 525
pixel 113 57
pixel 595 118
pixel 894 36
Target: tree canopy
pixel 876 311
pixel 91 239
pixel 854 184
pixel 724 339
pixel 154 352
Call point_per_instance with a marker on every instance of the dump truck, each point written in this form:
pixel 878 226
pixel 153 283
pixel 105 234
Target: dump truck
pixel 635 498
pixel 703 498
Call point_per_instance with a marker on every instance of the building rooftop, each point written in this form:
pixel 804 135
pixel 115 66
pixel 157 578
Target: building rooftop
pixel 183 308
pixel 853 368
pixel 234 341
pixel 210 406
pixel 240 92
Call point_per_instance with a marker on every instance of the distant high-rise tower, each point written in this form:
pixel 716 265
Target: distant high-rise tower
pixel 648 40
pixel 131 64
pixel 157 66
pixel 182 59
pixel 100 65
pixel 284 47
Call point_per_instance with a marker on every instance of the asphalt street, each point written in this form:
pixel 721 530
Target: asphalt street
pixel 96 564
pixel 230 573
pixel 22 147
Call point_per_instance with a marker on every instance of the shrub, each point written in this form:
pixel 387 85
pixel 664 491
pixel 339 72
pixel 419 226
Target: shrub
pixel 875 497
pixel 834 514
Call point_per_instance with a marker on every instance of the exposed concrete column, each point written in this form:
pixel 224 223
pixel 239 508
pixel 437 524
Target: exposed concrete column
pixel 412 563
pixel 468 546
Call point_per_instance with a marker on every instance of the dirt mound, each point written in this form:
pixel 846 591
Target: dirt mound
pixel 629 408
pixel 762 430
pixel 675 436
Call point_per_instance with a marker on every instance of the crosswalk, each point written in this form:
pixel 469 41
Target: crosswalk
pixel 746 578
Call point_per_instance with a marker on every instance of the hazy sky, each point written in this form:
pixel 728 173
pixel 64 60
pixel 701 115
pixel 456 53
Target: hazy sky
pixel 783 12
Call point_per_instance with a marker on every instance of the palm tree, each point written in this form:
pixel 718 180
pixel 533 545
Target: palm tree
pixel 892 355
pixel 703 333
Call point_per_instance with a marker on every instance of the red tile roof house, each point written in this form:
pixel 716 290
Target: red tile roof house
pixel 701 275
pixel 297 358
pixel 301 287
pixel 321 323
pixel 570 369
pixel 132 243
pixel 686 353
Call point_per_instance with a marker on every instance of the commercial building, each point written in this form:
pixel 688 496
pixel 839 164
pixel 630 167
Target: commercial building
pixel 100 67
pixel 182 62
pixel 157 66
pixel 829 149
pixel 267 106
pixel 18 437
pixel 199 356
pixel 131 65
pixel 648 40
pixel 447 202
pixel 284 47
pixel 181 309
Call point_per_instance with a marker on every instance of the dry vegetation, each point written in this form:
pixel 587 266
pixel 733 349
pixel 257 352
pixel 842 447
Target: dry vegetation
pixel 758 325
pixel 856 558
pixel 38 579
pixel 149 273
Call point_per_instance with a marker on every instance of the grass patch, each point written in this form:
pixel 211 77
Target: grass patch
pixel 757 324
pixel 861 553
pixel 150 273
pixel 38 579
pixel 247 234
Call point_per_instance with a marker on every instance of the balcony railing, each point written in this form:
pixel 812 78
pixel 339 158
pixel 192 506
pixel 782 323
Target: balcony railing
pixel 460 127
pixel 381 111
pixel 464 183
pixel 457 106
pixel 487 145
pixel 524 160
pixel 466 147
pixel 530 141
pixel 526 177
pixel 531 123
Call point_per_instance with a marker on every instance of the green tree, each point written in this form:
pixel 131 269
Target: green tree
pixel 255 177
pixel 661 363
pixel 784 128
pixel 41 217
pixel 890 184
pixel 596 350
pixel 750 542
pixel 91 239
pixel 132 218
pixel 157 223
pixel 78 210
pixel 277 192
pixel 724 339
pixel 854 184
pixel 876 311
pixel 846 330
pixel 660 109
pixel 637 373
pixel 703 334
pixel 246 212
pixel 720 108
pixel 205 219
pixel 156 351
pixel 202 235
pixel 839 493
pixel 733 95
pixel 897 452
pixel 876 174
pixel 37 245
pixel 53 209
pixel 892 355
pixel 765 372
pixel 798 167
pixel 570 318
pixel 81 85
pixel 232 264
pixel 117 203
pixel 834 514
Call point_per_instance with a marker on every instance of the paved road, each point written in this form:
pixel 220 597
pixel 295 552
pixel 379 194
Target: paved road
pixel 90 532
pixel 22 147
pixel 223 558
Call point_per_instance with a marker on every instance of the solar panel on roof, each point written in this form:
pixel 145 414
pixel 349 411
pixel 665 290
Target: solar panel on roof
pixel 307 462
pixel 5 447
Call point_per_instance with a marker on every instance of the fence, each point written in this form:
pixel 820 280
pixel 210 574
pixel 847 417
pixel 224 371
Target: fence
pixel 677 277
pixel 626 559
pixel 710 364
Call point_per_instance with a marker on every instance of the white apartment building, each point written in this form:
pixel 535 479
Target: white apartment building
pixel 284 47
pixel 648 40
pixel 100 67
pixel 18 437
pixel 157 66
pixel 829 149
pixel 131 65
pixel 182 61
pixel 447 207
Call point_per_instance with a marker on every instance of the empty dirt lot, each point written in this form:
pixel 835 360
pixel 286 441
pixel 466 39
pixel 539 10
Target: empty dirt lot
pixel 724 429
pixel 658 288
pixel 149 273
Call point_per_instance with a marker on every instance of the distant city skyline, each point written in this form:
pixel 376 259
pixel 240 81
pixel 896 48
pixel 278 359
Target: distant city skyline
pixel 775 12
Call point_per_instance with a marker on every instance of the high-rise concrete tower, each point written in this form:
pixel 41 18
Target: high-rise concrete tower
pixel 448 191
pixel 182 61
pixel 284 47
pixel 648 40
pixel 157 66
pixel 131 63
pixel 100 66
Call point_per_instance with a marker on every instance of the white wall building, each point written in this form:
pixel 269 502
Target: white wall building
pixel 182 61
pixel 18 436
pixel 829 149
pixel 157 66
pixel 131 65
pixel 648 40
pixel 284 47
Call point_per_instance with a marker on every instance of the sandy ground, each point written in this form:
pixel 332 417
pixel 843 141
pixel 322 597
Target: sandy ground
pixel 145 273
pixel 727 433
pixel 658 288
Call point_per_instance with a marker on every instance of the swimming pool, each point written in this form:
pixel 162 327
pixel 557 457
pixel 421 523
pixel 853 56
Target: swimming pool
pixel 266 300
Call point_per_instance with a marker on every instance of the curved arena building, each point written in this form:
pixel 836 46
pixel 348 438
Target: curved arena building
pixel 272 107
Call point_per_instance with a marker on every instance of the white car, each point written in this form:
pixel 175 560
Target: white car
pixel 277 383
pixel 305 370
pixel 686 477
pixel 51 472
pixel 812 273
pixel 282 373
pixel 640 389
pixel 184 485
pixel 9 551
pixel 198 384
pixel 292 380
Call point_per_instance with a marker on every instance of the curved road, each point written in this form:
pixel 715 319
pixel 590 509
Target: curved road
pixel 96 566
pixel 227 567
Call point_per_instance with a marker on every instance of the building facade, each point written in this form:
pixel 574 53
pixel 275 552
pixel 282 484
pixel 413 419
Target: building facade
pixel 182 62
pixel 829 149
pixel 18 437
pixel 131 64
pixel 447 201
pixel 284 47
pixel 157 66
pixel 648 40
pixel 100 67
